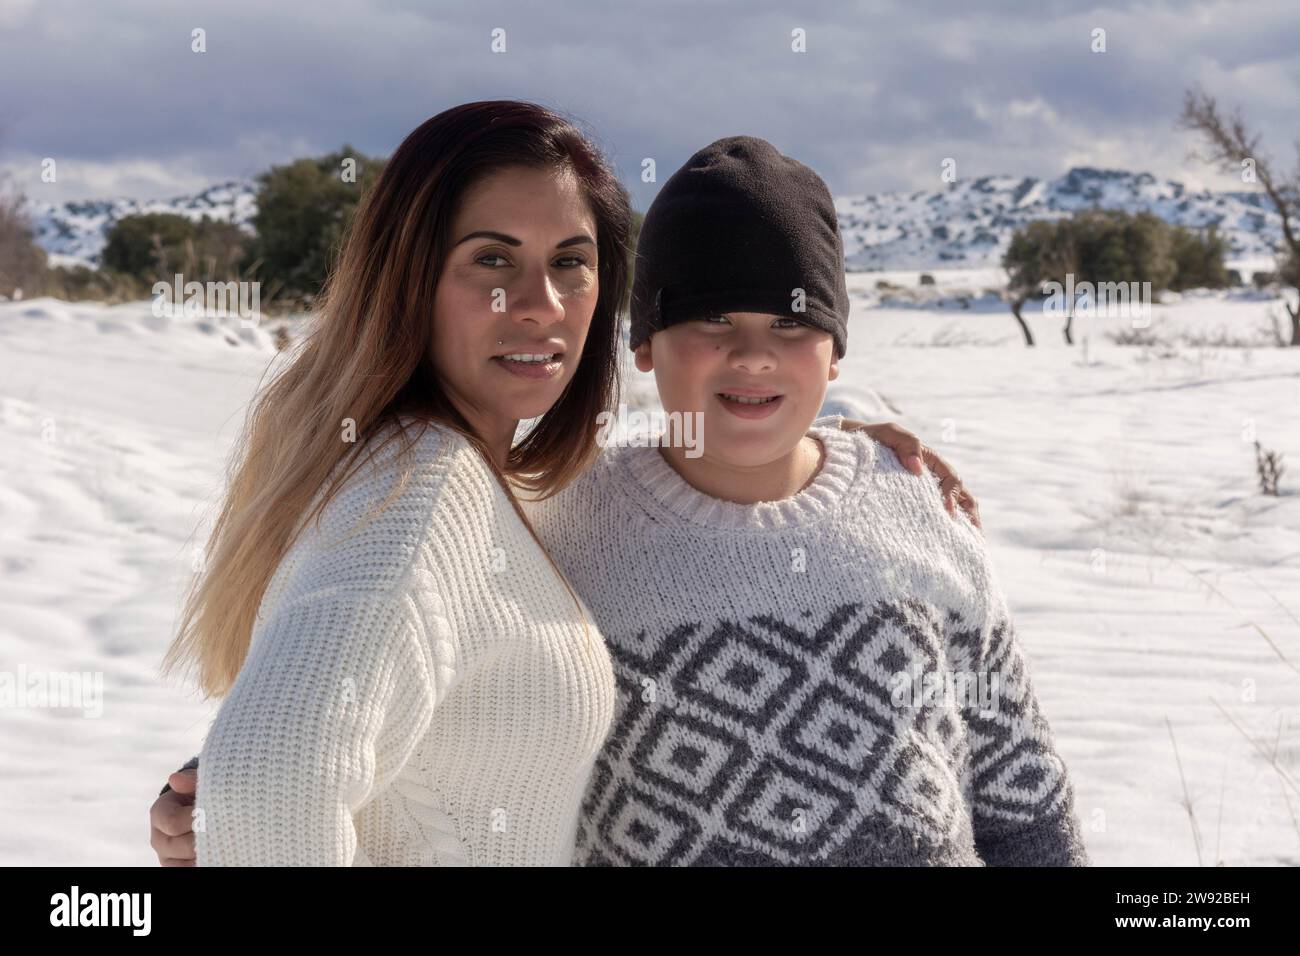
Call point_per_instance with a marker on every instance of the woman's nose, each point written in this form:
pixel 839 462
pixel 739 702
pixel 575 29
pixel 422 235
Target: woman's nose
pixel 536 298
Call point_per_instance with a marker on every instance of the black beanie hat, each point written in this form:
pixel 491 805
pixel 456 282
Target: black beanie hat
pixel 738 229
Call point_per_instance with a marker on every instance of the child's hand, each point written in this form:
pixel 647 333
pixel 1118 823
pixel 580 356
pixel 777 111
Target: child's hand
pixel 911 453
pixel 171 834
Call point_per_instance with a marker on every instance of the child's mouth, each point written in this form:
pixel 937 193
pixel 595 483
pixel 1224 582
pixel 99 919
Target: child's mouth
pixel 749 406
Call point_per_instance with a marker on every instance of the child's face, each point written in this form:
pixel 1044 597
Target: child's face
pixel 697 363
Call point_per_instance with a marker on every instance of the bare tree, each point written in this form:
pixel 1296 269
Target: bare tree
pixel 22 261
pixel 1233 148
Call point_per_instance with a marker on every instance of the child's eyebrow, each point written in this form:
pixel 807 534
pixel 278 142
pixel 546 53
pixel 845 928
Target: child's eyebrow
pixel 512 241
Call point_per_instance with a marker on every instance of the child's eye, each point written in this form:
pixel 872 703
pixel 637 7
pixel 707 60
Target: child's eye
pixel 711 318
pixel 794 324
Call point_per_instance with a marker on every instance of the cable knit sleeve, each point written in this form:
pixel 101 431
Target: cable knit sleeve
pixel 1022 800
pixel 336 692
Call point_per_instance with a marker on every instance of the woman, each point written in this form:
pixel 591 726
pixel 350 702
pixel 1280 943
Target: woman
pixel 410 680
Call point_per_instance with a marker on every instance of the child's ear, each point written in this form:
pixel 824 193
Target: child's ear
pixel 835 369
pixel 644 362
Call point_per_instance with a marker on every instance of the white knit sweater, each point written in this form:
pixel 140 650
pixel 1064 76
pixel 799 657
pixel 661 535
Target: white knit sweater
pixel 418 692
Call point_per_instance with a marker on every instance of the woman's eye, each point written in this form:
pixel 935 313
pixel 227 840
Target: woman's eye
pixel 574 260
pixel 490 255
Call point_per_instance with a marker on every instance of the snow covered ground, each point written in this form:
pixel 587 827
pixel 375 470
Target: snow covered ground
pixel 1156 591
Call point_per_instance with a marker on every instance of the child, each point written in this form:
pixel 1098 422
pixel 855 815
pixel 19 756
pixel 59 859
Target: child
pixel 816 664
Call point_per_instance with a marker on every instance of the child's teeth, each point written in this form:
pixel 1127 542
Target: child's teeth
pixel 744 400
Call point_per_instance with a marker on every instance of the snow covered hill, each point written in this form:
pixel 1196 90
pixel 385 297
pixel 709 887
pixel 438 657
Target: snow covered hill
pixel 74 232
pixel 968 223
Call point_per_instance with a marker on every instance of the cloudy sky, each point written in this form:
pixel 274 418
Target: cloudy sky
pixel 884 92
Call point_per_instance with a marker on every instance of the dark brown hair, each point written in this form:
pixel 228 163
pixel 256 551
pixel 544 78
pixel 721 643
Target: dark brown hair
pixel 367 359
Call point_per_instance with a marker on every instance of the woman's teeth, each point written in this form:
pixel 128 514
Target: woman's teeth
pixel 747 400
pixel 524 357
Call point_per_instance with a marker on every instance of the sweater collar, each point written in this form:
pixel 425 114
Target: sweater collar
pixel 647 474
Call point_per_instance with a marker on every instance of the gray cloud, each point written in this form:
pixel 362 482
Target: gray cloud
pixel 885 92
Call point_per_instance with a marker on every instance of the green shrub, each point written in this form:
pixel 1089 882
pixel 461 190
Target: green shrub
pixel 303 211
pixel 1198 259
pixel 153 247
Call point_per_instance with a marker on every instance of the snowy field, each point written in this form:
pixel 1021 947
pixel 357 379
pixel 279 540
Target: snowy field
pixel 1157 592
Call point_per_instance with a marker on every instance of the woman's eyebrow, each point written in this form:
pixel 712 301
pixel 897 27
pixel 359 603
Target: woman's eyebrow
pixel 488 234
pixel 512 241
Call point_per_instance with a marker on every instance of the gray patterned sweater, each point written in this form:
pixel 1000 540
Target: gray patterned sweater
pixel 830 679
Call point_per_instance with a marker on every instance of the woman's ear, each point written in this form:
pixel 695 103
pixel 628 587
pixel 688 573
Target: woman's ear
pixel 644 362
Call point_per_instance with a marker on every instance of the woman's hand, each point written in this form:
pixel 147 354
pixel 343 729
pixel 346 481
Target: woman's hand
pixel 911 453
pixel 170 821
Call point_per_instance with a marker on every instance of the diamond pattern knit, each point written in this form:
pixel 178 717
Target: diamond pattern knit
pixel 830 679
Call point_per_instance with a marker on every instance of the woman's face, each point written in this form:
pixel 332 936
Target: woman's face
pixel 516 296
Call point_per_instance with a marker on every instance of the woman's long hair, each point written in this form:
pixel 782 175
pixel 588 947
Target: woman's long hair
pixel 367 359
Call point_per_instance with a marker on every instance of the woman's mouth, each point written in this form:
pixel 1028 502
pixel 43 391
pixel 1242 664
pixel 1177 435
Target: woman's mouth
pixel 531 364
pixel 749 406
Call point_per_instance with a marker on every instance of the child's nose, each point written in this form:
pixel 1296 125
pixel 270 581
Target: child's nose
pixel 753 358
